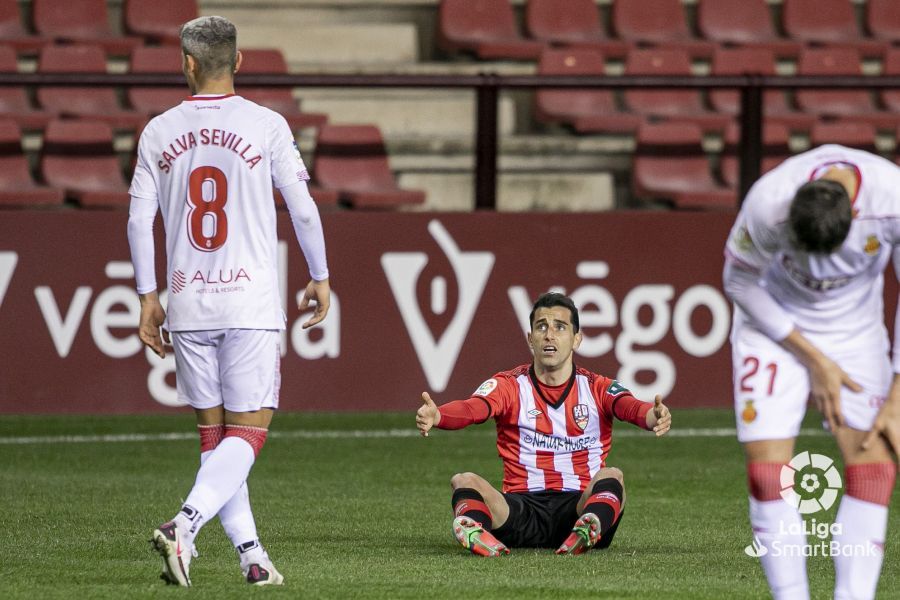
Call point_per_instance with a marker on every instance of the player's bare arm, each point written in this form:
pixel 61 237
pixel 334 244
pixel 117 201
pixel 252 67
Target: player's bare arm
pixel 428 415
pixel 152 318
pixel 826 378
pixel 659 418
pixel 320 292
pixel 887 422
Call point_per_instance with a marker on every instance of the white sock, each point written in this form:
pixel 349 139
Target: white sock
pixel 784 563
pixel 236 517
pixel 863 527
pixel 219 478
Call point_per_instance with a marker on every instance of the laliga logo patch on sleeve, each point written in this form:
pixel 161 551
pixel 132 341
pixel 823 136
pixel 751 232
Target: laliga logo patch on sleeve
pixel 297 150
pixel 615 388
pixel 486 388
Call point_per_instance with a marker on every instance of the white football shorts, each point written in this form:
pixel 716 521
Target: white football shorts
pixel 771 387
pixel 240 368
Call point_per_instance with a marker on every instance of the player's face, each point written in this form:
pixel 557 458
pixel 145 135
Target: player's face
pixel 553 338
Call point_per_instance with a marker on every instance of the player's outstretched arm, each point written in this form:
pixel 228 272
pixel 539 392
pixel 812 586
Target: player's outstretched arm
pixel 320 291
pixel 887 422
pixel 659 418
pixel 428 415
pixel 152 318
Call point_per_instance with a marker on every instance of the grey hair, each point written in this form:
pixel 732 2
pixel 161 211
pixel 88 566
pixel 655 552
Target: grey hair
pixel 212 41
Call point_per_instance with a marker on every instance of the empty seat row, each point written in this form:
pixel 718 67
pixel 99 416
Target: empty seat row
pixel 670 164
pixel 103 102
pixel 487 28
pixel 598 110
pixel 78 162
pixel 80 21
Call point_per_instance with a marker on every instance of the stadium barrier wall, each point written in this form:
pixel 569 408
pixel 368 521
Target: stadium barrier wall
pixel 434 302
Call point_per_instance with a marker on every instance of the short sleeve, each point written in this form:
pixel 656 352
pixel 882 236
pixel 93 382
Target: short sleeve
pixel 287 164
pixel 754 238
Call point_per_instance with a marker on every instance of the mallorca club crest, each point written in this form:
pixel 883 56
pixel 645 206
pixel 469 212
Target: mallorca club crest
pixel 581 415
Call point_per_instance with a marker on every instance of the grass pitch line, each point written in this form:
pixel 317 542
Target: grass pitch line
pixel 306 434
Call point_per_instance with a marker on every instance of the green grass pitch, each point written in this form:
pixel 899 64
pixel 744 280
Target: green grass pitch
pixel 351 515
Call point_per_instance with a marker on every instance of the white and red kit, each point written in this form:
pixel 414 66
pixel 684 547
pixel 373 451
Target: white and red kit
pixel 210 163
pixel 549 437
pixel 834 300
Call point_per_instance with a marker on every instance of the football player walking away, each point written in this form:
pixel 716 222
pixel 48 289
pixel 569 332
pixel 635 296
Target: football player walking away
pixel 208 165
pixel 554 432
pixel 804 267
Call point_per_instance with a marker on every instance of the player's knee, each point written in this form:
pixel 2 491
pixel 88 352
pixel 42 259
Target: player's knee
pixel 613 482
pixel 210 436
pixel 255 436
pixel 464 480
pixel 764 480
pixel 871 482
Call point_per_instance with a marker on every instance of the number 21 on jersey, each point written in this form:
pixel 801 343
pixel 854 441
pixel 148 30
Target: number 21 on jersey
pixel 207 223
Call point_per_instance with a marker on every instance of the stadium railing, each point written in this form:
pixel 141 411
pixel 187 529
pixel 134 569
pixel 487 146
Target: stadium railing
pixel 487 87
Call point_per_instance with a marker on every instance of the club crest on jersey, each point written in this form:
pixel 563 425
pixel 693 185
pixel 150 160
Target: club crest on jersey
pixel 872 245
pixel 486 388
pixel 581 415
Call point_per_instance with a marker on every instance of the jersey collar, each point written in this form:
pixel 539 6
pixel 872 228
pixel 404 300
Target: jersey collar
pixel 562 397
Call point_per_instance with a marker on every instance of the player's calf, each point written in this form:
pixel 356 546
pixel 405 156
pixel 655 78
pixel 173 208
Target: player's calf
pixel 600 514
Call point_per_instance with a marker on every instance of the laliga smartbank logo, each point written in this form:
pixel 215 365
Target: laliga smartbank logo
pixel 810 483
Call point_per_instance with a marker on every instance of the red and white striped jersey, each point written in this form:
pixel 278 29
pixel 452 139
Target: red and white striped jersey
pixel 555 437
pixel 210 163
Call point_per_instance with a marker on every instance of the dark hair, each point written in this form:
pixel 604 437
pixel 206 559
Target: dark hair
pixel 212 41
pixel 820 216
pixel 551 299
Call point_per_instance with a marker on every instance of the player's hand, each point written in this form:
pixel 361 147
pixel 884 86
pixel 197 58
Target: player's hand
pixel 826 381
pixel 659 418
pixel 152 317
pixel 320 291
pixel 428 415
pixel 886 425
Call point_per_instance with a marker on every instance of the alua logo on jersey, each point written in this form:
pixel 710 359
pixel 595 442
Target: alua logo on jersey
pixel 437 357
pixel 581 415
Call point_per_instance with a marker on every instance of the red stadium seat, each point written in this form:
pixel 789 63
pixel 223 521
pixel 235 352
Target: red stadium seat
pixel 14 99
pixel 352 160
pixel 754 61
pixel 846 133
pixel 853 104
pixel 670 164
pixel 742 23
pixel 17 188
pixel 83 21
pixel 78 157
pixel 883 20
pixel 152 101
pixel 13 33
pixel 159 21
pixel 281 100
pixel 829 23
pixel 682 105
pixel 891 66
pixel 325 199
pixel 659 23
pixel 74 101
pixel 486 28
pixel 776 148
pixel 571 23
pixel 587 110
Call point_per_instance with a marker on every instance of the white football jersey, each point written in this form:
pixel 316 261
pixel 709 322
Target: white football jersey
pixel 210 163
pixel 838 295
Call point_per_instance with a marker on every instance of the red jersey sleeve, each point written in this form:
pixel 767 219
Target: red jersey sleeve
pixel 462 413
pixel 618 402
pixel 492 398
